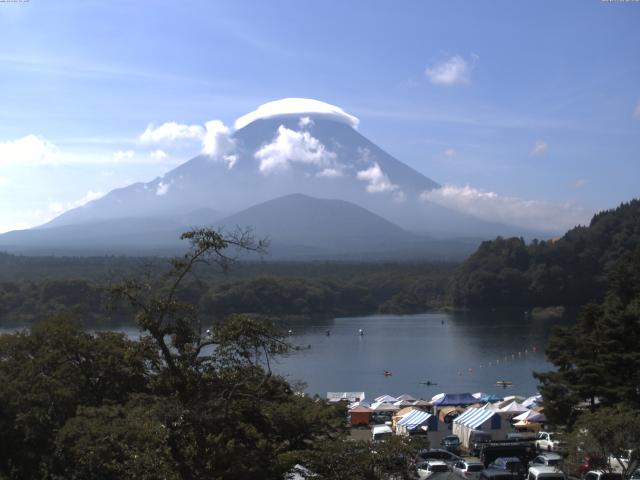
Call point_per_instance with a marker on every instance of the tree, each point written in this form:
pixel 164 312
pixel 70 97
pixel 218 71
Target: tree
pixel 598 359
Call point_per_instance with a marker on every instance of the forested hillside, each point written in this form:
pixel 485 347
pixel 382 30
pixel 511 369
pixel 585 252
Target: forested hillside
pixel 33 288
pixel 568 271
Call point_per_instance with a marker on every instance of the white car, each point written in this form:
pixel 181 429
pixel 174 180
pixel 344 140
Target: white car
pixel 545 473
pixel 546 459
pixel 602 475
pixel 548 441
pixel 468 469
pixel 431 468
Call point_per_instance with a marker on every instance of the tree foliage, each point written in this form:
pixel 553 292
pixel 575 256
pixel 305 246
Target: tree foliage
pixel 569 271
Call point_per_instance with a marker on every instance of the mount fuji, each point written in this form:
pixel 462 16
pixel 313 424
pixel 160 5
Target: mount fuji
pixel 289 153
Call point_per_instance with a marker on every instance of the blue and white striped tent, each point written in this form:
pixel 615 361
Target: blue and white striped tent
pixel 488 421
pixel 413 420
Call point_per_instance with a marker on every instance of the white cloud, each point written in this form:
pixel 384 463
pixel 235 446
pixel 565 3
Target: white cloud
pixel 170 132
pixel 539 148
pixel 290 147
pixel 123 155
pixel 450 152
pixel 330 173
pixel 296 106
pixel 636 113
pixel 533 214
pixel 377 180
pixel 218 143
pixel 581 182
pixel 451 71
pixel 60 207
pixel 158 155
pixel 30 149
pixel 162 188
pixel 305 122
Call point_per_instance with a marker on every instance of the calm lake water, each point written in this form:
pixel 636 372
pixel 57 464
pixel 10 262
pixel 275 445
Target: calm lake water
pixel 462 352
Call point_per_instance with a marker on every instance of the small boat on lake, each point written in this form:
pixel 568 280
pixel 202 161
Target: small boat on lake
pixel 387 373
pixel 504 383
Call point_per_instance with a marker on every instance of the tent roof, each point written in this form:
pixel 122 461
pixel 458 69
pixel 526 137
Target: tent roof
pixel 455 399
pixel 385 398
pixel 414 419
pixel 406 396
pixel 405 411
pixel 361 409
pixel 514 407
pixel 474 417
pixel 525 415
pixel 403 403
pixel 422 403
pixel 383 407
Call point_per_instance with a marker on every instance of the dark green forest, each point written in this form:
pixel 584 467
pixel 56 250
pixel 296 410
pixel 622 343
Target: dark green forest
pixel 569 271
pixel 33 288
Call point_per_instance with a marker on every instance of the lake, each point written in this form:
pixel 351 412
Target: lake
pixel 461 352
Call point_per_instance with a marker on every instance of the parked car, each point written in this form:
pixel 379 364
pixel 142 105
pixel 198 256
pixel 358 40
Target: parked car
pixel 437 454
pixel 543 472
pixel 431 468
pixel 546 459
pixel 509 464
pixel 548 441
pixel 620 462
pixel 582 462
pixel 381 432
pixel 602 475
pixel 468 469
pixel 493 474
pixel 451 443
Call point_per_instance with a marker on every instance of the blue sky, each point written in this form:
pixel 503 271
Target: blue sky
pixel 513 105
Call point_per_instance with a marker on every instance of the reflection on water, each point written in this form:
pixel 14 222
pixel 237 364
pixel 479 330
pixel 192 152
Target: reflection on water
pixel 461 352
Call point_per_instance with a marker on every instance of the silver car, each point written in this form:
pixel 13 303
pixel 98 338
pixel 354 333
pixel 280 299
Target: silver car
pixel 468 469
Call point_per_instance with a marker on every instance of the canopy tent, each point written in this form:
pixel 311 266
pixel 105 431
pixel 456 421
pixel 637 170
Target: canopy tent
pixel 538 418
pixel 514 407
pixel 421 403
pixel 437 396
pixel 358 404
pixel 523 424
pixel 417 421
pixel 385 399
pixel 510 399
pixel 403 412
pixel 473 419
pixel 451 399
pixel 384 407
pixel 490 398
pixel 407 397
pixel 414 419
pixel 525 415
pixel 403 403
pixel 491 406
pixel 447 414
pixel 532 401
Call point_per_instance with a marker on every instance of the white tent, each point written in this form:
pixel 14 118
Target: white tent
pixel 532 401
pixel 514 407
pixel 403 403
pixel 525 416
pixel 385 398
pixel 407 397
pixel 472 419
pixel 384 407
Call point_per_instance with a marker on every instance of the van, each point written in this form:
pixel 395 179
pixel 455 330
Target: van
pixel 545 473
pixel 381 432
